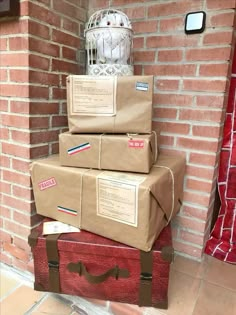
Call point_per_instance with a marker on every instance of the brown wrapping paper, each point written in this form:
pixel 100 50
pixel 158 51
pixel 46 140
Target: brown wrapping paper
pixel 109 104
pixel 126 207
pixel 131 153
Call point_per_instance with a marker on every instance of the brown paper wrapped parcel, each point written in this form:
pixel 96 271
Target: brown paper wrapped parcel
pixel 126 207
pixel 109 104
pixel 131 153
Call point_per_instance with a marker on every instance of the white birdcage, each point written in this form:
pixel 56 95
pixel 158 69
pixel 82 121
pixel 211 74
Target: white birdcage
pixel 109 43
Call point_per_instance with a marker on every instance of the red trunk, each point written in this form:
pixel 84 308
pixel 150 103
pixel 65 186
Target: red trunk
pixel 96 267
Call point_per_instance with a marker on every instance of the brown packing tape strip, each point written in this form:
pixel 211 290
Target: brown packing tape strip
pixel 53 262
pixel 145 289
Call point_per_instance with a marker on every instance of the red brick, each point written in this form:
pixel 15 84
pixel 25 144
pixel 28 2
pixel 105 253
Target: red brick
pixel 191 251
pixel 5 237
pixel 16 252
pixel 202 159
pixel 5 133
pixel 39 92
pixel 167 140
pixel 190 223
pixel 100 3
pixel 5 188
pixel 39 30
pixel 3 105
pixel 168 113
pixel 198 185
pixel 43 15
pixel 212 101
pixel 20 165
pixel 124 2
pixel 45 136
pixel 218 38
pixel 49 79
pixel 144 27
pixel 3 75
pixel 19 75
pixel 21 243
pixel 172 127
pixel 144 56
pixel 20 136
pixel 5 161
pixel 3 44
pixel 208 54
pixel 166 41
pixel 167 85
pixel 200 115
pixel 38 152
pixel 45 48
pixel 5 258
pixel 135 12
pixel 22 218
pixel 173 24
pixel 59 121
pixel 197 198
pixel 210 131
pixel 138 70
pixel 64 66
pixel 70 26
pixel 59 94
pixel 55 148
pixel 44 108
pixel 15 150
pixel 16 90
pixel 69 53
pixel 170 55
pixel 15 59
pixel 196 144
pixel 204 85
pixel 15 27
pixel 219 4
pixel 39 122
pixel 222 19
pixel 173 7
pixel 194 238
pixel 39 62
pixel 173 99
pixel 200 172
pixel 170 70
pixel 65 38
pixel 138 42
pixel 19 43
pixel 211 70
pixel 69 10
pixel 194 212
pixel 16 203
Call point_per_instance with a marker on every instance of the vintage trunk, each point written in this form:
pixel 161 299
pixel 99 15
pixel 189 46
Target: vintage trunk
pixel 88 265
pixel 130 208
pixel 130 153
pixel 109 104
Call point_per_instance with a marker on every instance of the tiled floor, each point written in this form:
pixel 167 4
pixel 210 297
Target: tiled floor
pixel 207 288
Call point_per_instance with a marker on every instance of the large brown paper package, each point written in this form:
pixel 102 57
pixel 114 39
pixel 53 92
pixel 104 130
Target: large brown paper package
pixel 126 207
pixel 109 104
pixel 131 153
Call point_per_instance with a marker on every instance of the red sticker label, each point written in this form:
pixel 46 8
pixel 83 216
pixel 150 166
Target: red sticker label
pixel 139 144
pixel 47 183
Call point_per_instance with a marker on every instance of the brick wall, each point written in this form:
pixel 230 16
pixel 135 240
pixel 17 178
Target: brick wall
pixel 40 48
pixel 191 86
pixel 37 51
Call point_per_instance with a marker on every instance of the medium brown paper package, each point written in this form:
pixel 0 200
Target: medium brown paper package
pixel 131 153
pixel 109 104
pixel 125 207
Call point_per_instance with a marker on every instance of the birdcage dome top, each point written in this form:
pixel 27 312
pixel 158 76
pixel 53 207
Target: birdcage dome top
pixel 102 18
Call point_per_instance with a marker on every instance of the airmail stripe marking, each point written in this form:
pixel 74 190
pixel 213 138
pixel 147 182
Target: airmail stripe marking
pixel 66 210
pixel 79 148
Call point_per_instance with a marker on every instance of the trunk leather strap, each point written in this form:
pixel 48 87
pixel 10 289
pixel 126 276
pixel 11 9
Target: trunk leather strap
pixel 53 262
pixel 115 272
pixel 145 289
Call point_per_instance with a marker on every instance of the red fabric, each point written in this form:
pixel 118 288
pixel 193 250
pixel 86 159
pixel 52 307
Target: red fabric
pixel 222 242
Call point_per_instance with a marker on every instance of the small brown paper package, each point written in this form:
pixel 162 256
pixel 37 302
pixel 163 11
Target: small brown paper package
pixel 109 104
pixel 130 153
pixel 125 207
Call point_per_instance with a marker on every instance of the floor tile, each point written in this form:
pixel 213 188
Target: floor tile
pixel 7 284
pixel 221 273
pixel 190 267
pixel 20 301
pixel 52 306
pixel 213 300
